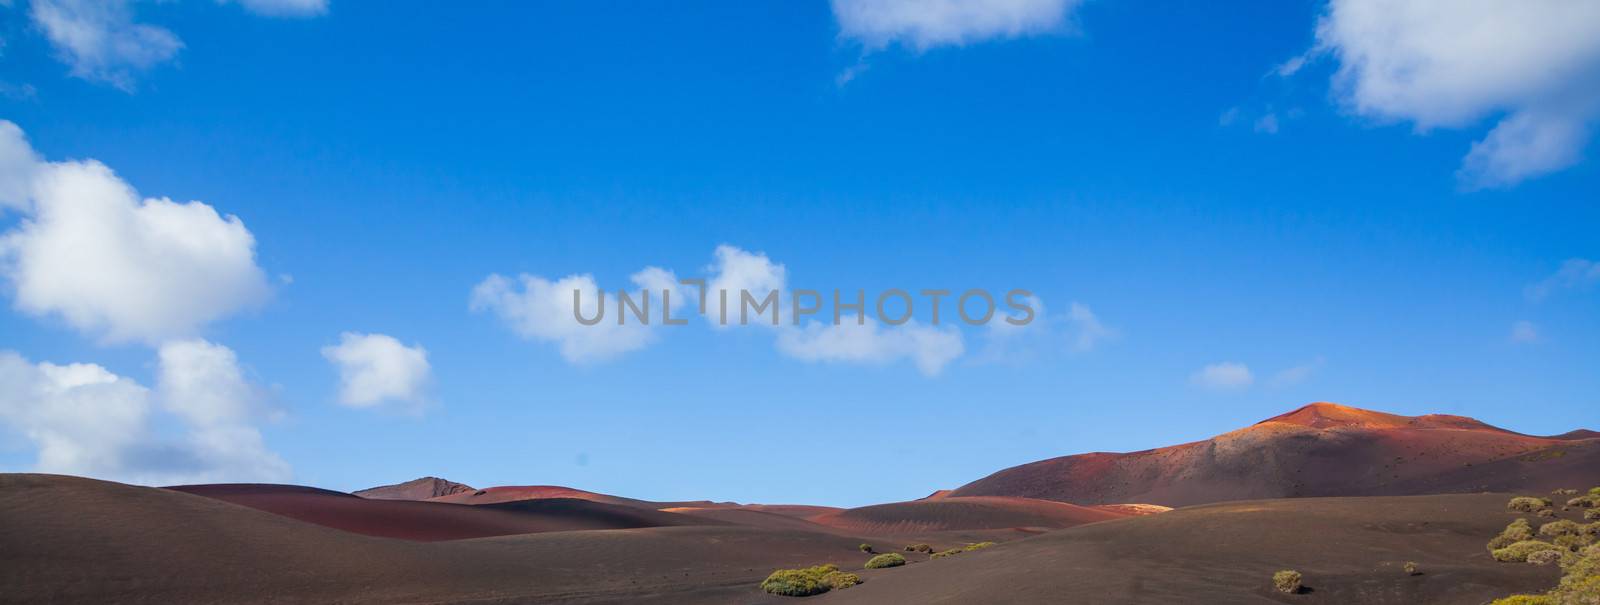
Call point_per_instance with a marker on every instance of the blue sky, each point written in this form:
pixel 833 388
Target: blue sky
pixel 1157 165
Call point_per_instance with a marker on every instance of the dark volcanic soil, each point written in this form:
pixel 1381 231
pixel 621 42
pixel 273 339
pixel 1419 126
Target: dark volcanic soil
pixel 1350 550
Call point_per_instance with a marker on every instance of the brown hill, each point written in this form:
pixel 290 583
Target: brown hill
pixel 75 540
pixel 1322 449
pixel 415 489
pixel 431 521
pixel 514 493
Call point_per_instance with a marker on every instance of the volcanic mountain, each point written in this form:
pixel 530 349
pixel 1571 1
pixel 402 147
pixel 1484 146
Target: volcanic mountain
pixel 1322 449
pixel 415 489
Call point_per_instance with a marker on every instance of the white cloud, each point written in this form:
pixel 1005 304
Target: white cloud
pixel 101 40
pixel 924 24
pixel 542 310
pixel 90 251
pixel 1084 328
pixel 1296 374
pixel 85 420
pixel 1534 65
pixel 736 271
pixel 1225 375
pixel 1267 124
pixel 375 368
pixel 201 384
pixel 1574 274
pixel 284 8
pixel 930 348
pixel 1523 331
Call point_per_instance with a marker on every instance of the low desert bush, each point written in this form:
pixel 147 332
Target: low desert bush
pixel 1572 542
pixel 1592 514
pixel 1559 528
pixel 979 546
pixel 1564 492
pixel 1518 552
pixel 1287 581
pixel 1594 491
pixel 1589 501
pixel 947 553
pixel 919 548
pixel 839 580
pixel 794 583
pixel 1544 557
pixel 1517 531
pixel 1412 569
pixel 1526 599
pixel 1547 513
pixel 1528 504
pixel 886 560
pixel 866 548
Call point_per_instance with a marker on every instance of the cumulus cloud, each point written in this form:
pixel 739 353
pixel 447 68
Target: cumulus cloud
pixel 85 420
pixel 542 310
pixel 103 41
pixel 931 348
pixel 1533 65
pixel 925 24
pixel 1523 332
pixel 90 251
pixel 1223 376
pixel 377 368
pixel 1574 274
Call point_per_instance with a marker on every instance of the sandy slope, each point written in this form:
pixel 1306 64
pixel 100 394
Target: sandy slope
pixel 1319 450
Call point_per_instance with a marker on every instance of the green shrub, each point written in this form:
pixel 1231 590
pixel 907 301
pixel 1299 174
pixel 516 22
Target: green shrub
pixel 839 580
pixel 892 559
pixel 1589 501
pixel 1564 492
pixel 1528 504
pixel 1572 542
pixel 1592 514
pixel 1559 528
pixel 979 546
pixel 1544 557
pixel 947 553
pixel 1518 552
pixel 1287 581
pixel 794 583
pixel 1594 491
pixel 866 548
pixel 1517 531
pixel 919 548
pixel 1526 599
pixel 1412 569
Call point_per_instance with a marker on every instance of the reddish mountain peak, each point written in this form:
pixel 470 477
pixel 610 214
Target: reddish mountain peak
pixel 1324 415
pixel 415 489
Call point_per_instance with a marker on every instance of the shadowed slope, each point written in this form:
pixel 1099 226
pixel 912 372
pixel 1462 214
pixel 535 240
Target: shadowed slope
pixel 429 521
pixel 513 493
pixel 1319 450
